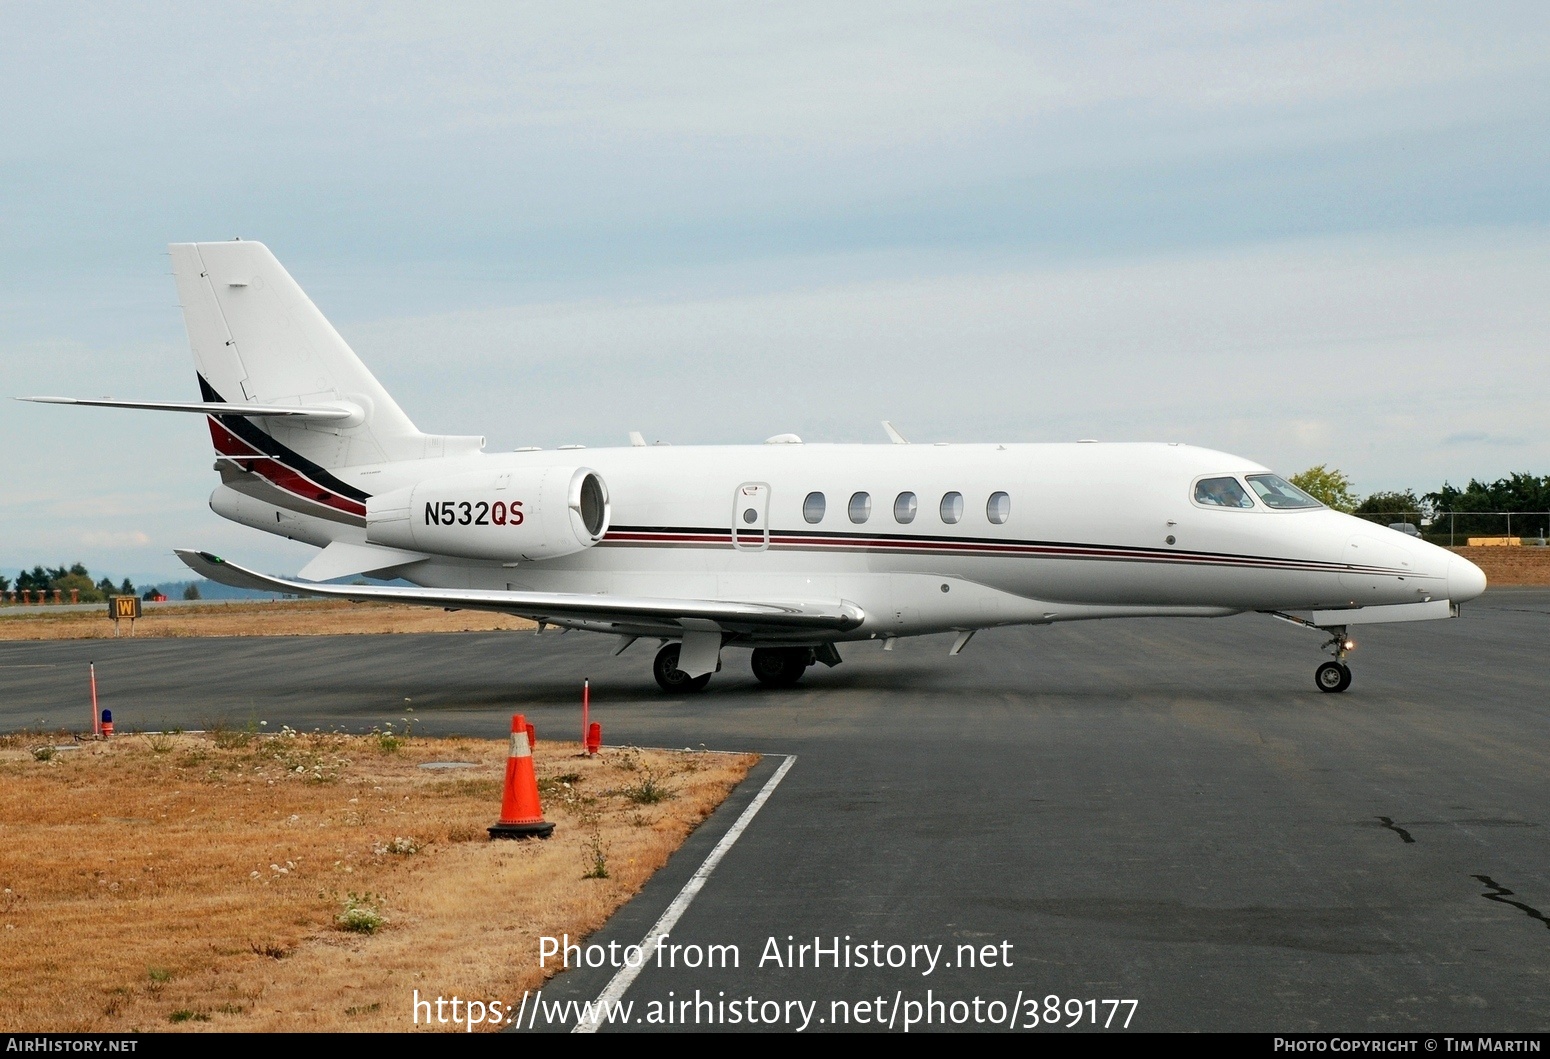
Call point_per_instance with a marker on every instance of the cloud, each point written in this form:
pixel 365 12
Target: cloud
pixel 1480 437
pixel 113 538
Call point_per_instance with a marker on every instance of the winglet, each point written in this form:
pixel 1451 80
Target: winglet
pixel 893 434
pixel 219 570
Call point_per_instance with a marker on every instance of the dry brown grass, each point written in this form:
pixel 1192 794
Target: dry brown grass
pixel 158 882
pixel 283 618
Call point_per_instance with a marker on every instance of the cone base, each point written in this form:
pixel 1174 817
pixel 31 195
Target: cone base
pixel 536 829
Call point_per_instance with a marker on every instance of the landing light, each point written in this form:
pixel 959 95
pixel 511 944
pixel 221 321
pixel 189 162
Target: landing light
pixel 1349 644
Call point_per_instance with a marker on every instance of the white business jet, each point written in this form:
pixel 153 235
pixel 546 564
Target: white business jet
pixel 785 548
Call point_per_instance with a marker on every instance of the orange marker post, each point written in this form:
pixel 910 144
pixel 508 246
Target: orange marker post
pixel 522 815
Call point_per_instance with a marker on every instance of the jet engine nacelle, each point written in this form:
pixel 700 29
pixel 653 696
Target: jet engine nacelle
pixel 505 515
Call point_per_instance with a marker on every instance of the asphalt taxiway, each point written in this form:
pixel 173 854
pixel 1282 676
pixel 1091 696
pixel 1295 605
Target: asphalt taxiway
pixel 1164 811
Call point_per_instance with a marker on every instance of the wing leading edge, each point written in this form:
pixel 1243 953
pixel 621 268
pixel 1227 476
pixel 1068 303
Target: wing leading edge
pixel 561 608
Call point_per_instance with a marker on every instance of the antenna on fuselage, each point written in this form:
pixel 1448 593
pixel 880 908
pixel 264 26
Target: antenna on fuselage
pixel 894 435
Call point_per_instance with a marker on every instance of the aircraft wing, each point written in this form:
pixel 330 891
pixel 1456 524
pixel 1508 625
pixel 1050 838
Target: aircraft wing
pixel 560 607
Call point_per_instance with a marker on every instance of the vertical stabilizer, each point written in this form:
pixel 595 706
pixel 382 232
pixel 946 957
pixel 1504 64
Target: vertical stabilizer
pixel 258 339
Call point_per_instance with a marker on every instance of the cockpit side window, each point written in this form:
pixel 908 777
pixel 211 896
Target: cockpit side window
pixel 1275 491
pixel 1222 492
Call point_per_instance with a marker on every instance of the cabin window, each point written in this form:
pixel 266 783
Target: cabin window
pixel 904 507
pixel 860 507
pixel 812 508
pixel 1222 492
pixel 1275 491
pixel 952 508
pixel 998 507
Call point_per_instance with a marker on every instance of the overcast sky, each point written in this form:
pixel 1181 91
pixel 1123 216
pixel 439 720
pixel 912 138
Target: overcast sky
pixel 1304 233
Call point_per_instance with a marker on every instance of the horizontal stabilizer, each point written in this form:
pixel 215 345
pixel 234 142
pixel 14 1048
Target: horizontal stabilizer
pixel 323 413
pixel 558 607
pixel 341 559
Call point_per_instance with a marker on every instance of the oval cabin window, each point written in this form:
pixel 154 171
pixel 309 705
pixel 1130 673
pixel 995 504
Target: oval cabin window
pixel 812 508
pixel 952 508
pixel 860 507
pixel 998 508
pixel 904 507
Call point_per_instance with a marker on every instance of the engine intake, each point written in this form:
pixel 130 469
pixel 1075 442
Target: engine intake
pixel 510 516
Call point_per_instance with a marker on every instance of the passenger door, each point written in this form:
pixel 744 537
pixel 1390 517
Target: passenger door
pixel 751 517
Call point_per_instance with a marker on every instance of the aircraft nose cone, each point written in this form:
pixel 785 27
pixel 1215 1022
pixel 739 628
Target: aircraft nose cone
pixel 1465 580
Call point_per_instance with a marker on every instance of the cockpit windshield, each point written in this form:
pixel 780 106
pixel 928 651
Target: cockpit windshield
pixel 1221 492
pixel 1275 491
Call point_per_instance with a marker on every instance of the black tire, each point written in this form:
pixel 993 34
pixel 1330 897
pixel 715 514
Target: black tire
pixel 780 667
pixel 1332 676
pixel 670 678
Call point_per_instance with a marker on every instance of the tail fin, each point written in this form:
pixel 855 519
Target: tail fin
pixel 258 339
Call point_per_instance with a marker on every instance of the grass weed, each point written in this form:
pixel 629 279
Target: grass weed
pixel 361 914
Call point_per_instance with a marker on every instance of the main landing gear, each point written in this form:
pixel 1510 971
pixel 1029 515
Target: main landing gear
pixel 1336 675
pixel 776 667
pixel 781 667
pixel 670 678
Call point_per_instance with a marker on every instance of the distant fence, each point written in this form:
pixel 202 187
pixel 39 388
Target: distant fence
pixel 1456 527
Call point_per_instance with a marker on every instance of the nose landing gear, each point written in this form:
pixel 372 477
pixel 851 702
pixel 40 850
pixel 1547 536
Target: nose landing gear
pixel 1331 676
pixel 1336 675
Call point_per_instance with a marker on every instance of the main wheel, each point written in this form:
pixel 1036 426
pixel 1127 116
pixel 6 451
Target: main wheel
pixel 670 678
pixel 781 667
pixel 1332 676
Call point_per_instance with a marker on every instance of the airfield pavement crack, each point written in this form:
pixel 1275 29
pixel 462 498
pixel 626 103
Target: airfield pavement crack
pixel 1501 895
pixel 1388 822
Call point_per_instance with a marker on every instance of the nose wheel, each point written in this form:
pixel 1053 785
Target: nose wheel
pixel 1333 676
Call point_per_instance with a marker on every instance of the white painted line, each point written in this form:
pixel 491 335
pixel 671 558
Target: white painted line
pixel 621 982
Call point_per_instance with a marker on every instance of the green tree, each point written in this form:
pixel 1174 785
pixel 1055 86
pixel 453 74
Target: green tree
pixel 1517 492
pixel 82 583
pixel 191 592
pixel 1394 507
pixel 1327 485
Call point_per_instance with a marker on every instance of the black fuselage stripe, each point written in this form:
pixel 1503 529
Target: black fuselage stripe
pixel 266 444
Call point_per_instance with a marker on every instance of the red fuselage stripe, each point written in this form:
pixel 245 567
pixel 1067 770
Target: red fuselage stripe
pixel 278 474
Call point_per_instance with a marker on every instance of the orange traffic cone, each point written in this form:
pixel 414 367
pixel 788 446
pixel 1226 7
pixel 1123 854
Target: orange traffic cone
pixel 521 814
